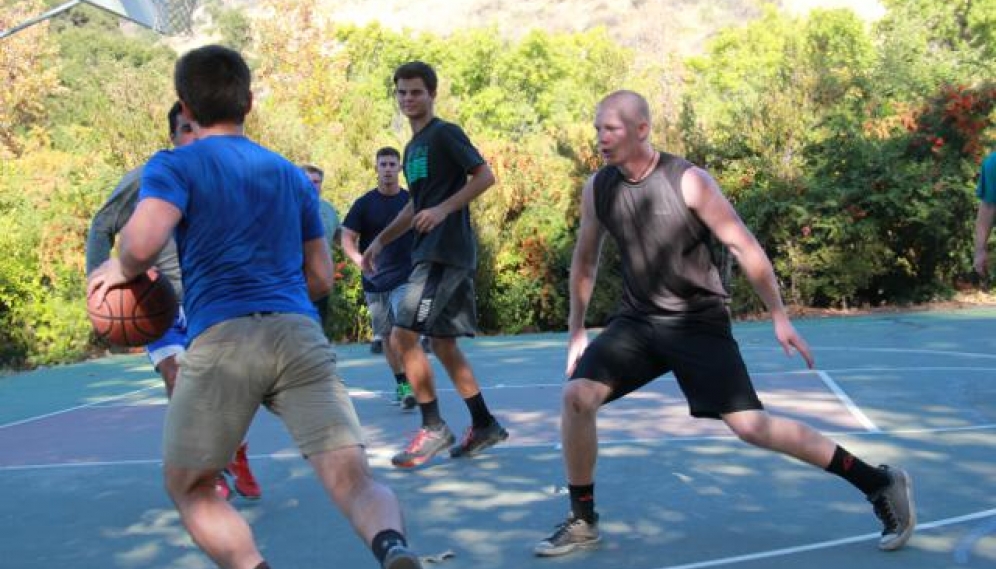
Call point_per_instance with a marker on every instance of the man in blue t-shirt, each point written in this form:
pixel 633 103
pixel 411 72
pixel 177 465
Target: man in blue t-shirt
pixel 246 221
pixel 163 353
pixel 384 288
pixel 986 192
pixel 445 172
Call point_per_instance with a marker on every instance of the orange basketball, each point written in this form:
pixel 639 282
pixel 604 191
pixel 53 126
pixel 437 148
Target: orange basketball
pixel 135 313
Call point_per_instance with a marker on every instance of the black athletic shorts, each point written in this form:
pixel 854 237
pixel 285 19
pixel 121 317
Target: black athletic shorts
pixel 698 347
pixel 439 301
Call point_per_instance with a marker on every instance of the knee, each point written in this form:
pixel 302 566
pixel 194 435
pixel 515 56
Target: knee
pixel 182 483
pixel 402 339
pixel 581 398
pixel 752 429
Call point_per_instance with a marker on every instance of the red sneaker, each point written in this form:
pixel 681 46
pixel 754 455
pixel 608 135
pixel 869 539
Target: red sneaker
pixel 245 482
pixel 222 488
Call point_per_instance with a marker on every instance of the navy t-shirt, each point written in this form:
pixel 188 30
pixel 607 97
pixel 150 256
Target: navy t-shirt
pixel 437 162
pixel 246 213
pixel 370 214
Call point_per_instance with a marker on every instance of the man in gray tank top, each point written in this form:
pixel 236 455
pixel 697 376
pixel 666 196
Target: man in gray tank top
pixel 664 214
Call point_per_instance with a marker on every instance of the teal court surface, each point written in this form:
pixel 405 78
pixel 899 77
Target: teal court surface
pixel 81 487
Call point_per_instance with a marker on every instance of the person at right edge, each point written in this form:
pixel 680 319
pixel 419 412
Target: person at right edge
pixel 664 214
pixel 445 172
pixel 986 192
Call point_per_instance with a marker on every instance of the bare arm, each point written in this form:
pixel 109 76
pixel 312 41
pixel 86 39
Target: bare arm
pixel 481 178
pixel 145 235
pixel 702 195
pixel 983 227
pixel 109 220
pixel 141 240
pixel 584 271
pixel 350 241
pixel 319 272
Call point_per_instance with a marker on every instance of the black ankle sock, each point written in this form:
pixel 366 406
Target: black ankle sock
pixel 479 413
pixel 263 565
pixel 431 419
pixel 384 541
pixel 863 476
pixel 583 501
pixel 401 378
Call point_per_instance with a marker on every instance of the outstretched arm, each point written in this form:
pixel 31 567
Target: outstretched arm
pixel 481 178
pixel 584 271
pixel 702 195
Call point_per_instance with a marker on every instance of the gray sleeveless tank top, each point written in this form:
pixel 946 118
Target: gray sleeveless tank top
pixel 668 256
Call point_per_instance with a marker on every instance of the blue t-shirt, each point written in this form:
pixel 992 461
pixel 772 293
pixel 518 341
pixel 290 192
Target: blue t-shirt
pixel 370 214
pixel 246 212
pixel 986 190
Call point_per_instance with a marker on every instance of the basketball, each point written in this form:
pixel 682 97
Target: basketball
pixel 135 313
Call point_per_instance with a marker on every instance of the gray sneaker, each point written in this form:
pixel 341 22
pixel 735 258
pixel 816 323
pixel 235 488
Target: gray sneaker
pixel 400 557
pixel 426 444
pixel 894 506
pixel 572 534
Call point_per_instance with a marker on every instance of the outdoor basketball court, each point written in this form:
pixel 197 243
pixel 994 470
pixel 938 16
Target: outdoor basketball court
pixel 81 483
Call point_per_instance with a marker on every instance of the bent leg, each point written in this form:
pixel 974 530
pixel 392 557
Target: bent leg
pixel 415 363
pixel 370 506
pixel 783 435
pixel 215 526
pixel 578 429
pixel 457 366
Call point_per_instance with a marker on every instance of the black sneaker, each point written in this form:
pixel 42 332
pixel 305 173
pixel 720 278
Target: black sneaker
pixel 475 440
pixel 574 533
pixel 377 346
pixel 426 444
pixel 894 506
pixel 400 557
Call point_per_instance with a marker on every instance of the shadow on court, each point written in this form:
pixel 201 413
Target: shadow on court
pixel 80 447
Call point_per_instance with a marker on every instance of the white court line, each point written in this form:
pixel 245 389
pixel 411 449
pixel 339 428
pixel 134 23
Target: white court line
pixel 502 386
pixel 390 451
pixel 847 401
pixel 78 407
pixel 824 544
pixel 876 350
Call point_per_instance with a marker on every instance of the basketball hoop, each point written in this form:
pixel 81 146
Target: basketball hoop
pixel 168 17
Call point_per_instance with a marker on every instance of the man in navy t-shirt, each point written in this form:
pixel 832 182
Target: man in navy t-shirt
pixel 385 287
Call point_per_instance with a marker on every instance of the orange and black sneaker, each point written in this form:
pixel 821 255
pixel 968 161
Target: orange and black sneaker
pixel 245 482
pixel 426 444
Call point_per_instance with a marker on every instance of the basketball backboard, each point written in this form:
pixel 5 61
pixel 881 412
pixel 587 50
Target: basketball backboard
pixel 168 17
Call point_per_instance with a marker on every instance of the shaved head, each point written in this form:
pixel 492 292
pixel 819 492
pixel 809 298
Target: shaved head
pixel 630 105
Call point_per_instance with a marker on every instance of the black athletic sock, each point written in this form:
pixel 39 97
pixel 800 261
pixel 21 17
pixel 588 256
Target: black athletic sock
pixel 263 565
pixel 401 378
pixel 431 419
pixel 862 475
pixel 583 501
pixel 479 413
pixel 384 541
